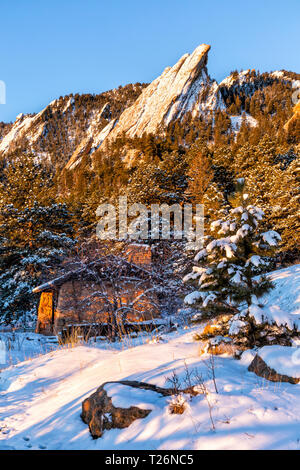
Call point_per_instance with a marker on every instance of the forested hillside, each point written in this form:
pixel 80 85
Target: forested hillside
pixel 245 127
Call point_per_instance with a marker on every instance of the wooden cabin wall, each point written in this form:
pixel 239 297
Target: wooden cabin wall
pixel 74 307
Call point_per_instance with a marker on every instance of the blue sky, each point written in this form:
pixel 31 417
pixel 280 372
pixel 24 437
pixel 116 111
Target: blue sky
pixel 49 49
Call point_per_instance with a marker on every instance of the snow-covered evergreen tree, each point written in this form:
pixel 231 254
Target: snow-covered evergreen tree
pixel 215 205
pixel 230 266
pixel 24 182
pixel 33 241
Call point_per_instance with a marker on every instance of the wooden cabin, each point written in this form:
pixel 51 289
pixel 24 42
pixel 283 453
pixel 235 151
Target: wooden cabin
pixel 118 289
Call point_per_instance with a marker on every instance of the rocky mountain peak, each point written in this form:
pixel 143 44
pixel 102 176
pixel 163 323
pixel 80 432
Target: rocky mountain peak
pixel 177 90
pixel 66 126
pixel 71 128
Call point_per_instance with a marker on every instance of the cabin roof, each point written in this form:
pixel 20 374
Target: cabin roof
pixel 104 269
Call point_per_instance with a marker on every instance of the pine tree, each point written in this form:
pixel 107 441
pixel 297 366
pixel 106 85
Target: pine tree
pixel 24 182
pixel 256 163
pixel 33 242
pixel 227 265
pixel 200 175
pixel 285 205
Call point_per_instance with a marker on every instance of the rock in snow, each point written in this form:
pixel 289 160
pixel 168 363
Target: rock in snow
pixel 116 405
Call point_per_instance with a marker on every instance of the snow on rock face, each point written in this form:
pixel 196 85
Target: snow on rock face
pixel 236 79
pixel 31 128
pixel 19 129
pixel 91 142
pixel 282 75
pixel 237 121
pixel 179 89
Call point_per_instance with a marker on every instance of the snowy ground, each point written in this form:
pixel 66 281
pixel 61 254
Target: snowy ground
pixel 282 304
pixel 16 347
pixel 40 399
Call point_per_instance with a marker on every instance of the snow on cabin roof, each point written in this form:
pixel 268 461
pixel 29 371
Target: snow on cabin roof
pixel 103 266
pixel 57 282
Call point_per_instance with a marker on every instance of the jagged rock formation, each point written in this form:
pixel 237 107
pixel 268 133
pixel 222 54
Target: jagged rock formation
pixel 184 87
pixel 66 125
pixel 89 143
pixel 73 127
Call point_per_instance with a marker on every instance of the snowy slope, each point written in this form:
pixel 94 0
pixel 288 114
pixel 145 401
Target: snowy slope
pixel 40 399
pixel 282 304
pixel 41 402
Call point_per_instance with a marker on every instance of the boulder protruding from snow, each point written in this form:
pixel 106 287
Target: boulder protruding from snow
pixel 101 412
pixel 277 364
